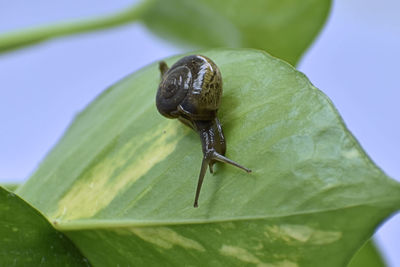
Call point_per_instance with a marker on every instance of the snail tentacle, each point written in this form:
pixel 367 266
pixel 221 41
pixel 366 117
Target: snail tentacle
pixel 203 170
pixel 163 68
pixel 220 158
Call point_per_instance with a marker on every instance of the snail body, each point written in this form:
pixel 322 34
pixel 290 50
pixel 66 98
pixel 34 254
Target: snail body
pixel 191 92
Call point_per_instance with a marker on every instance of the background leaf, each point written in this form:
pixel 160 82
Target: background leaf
pixel 284 29
pixel 27 239
pixel 122 179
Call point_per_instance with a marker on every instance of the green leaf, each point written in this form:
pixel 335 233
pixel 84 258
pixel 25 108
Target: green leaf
pixel 367 256
pixel 123 177
pixel 10 187
pixel 27 238
pixel 283 28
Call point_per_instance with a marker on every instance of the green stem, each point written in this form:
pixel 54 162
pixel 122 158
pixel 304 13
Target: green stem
pixel 14 40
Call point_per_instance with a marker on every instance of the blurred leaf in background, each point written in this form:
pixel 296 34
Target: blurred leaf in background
pixel 284 28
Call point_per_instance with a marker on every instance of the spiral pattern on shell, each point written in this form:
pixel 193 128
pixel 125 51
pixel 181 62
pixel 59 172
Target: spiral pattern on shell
pixel 173 89
pixel 190 90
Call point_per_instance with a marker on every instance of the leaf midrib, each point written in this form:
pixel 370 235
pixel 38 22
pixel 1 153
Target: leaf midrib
pixel 391 203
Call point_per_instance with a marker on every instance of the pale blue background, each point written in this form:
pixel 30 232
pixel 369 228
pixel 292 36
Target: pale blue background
pixel 354 61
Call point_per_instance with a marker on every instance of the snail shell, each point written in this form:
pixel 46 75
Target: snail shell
pixel 192 87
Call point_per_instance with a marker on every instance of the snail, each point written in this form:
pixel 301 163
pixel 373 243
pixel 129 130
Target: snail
pixel 191 91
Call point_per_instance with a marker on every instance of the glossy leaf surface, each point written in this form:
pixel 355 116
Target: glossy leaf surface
pixel 123 177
